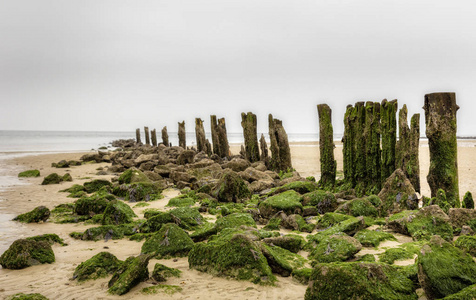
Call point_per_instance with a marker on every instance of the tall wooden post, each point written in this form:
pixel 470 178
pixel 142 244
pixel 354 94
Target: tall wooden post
pixel 326 146
pixel 182 135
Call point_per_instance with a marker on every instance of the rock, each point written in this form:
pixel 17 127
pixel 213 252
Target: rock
pixel 466 230
pixel 231 188
pixel 38 214
pixel 292 243
pixel 186 217
pixel 297 222
pixel 322 200
pixel 251 175
pixel 133 271
pixel 330 219
pixel 444 269
pixel 338 247
pixel 282 261
pixel 53 178
pixel 25 253
pixel 358 207
pixel 235 220
pixel 289 202
pixel 161 273
pixel 237 164
pixel 462 216
pixel 67 177
pixel 260 186
pixel 163 171
pixel 116 213
pixel 186 157
pixel 95 185
pixel 22 296
pixel 29 173
pixel 358 280
pixel 372 238
pixel 139 191
pixel 50 238
pixel 95 204
pixel 397 194
pixel 467 244
pixel 302 187
pixel 98 266
pixel 105 232
pixel 468 201
pixel 466 293
pixel 169 241
pixel 91 157
pixel 133 175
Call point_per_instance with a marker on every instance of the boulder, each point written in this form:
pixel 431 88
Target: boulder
pixel 324 201
pixel 237 164
pixel 289 202
pixel 302 187
pixel 132 175
pixel 231 188
pixel 94 204
pixel 398 194
pixel 358 207
pixel 251 174
pixel 117 212
pixel 338 247
pixel 98 266
pixel 53 178
pixel 95 185
pixel 292 243
pixel 169 241
pixel 133 271
pixel 38 214
pixel 235 220
pixel 467 244
pixel 462 216
pixel 161 273
pixel 186 157
pixel 24 253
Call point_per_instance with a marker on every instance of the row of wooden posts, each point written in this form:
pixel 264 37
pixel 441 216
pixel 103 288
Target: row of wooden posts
pixel 371 152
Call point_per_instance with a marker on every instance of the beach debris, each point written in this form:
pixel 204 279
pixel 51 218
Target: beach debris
pixel 38 214
pixel 138 141
pixel 326 146
pixel 29 173
pixel 153 137
pixel 280 159
pixel 99 266
pixel 133 271
pixel 440 118
pixel 181 135
pixel 24 253
pixel 443 269
pixel 147 136
pixel 169 241
pixel 165 137
pixel 249 123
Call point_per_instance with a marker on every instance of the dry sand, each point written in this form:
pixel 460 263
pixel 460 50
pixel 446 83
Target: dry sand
pixel 53 281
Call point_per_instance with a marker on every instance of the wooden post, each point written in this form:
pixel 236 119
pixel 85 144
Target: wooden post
pixel 181 135
pixel 388 125
pixel 147 138
pixel 224 148
pixel 200 135
pixel 154 137
pixel 326 146
pixel 215 139
pixel 249 124
pixel 280 151
pixel 138 141
pixel 165 136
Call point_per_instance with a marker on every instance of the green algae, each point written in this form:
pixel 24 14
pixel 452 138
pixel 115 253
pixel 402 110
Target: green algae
pixel 99 266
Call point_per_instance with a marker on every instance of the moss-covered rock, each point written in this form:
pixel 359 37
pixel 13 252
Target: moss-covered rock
pixel 169 241
pixel 53 178
pixel 234 221
pixel 338 247
pixel 133 271
pixel 50 238
pixel 324 201
pixel 297 222
pixel 74 190
pixel 273 224
pixel 25 253
pixel 372 238
pixel 231 188
pixel 181 201
pixel 22 296
pixel 29 173
pixel 468 293
pixel 289 242
pixel 139 191
pixel 98 266
pixel 330 219
pixel 358 207
pixel 444 269
pixel 95 185
pixel 67 177
pixel 38 214
pixel 105 232
pixel 467 244
pixel 161 273
pixel 94 204
pixel 116 213
pixel 235 255
pixel 302 187
pixel 397 194
pixel 302 275
pixel 359 281
pixel 462 216
pixel 393 254
pixel 468 201
pixel 282 261
pixel 132 175
pixel 289 202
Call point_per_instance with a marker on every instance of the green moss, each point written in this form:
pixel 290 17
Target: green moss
pixel 98 266
pixel 116 213
pixel 234 221
pixel 375 200
pixel 139 237
pixel 282 261
pixel 50 238
pixel 230 208
pixel 358 207
pixel 29 173
pixel 330 219
pixel 38 214
pixel 161 288
pixel 468 201
pixel 231 188
pixel 366 258
pixel 139 191
pixel 335 248
pixel 393 254
pixel 467 244
pixel 105 232
pixel 75 188
pixel 95 185
pixel 22 296
pixel 161 273
pixel 359 281
pixel 53 178
pixel 372 238
pixel 133 271
pixel 232 255
pixel 302 187
pixel 181 201
pixel 467 293
pixel 349 226
pixel 169 241
pixel 289 202
pixel 132 175
pixel 326 146
pixel 324 201
pixel 291 242
pixel 273 224
pixel 95 204
pixel 424 227
pixel 303 225
pixel 302 275
pixel 444 269
pixel 25 253
pixel 203 232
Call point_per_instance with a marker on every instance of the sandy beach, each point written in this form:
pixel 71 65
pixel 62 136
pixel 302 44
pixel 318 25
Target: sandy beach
pixel 53 280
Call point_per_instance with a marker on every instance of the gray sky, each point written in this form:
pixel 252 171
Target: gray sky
pixel 118 65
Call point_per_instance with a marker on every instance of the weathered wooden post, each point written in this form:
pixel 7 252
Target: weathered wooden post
pixel 200 135
pixel 440 118
pixel 214 131
pixel 373 153
pixel 280 151
pixel 224 148
pixel 147 137
pixel 138 141
pixel 414 163
pixel 181 135
pixel 165 137
pixel 360 149
pixel 348 148
pixel 326 146
pixel 154 137
pixel 388 115
pixel 264 150
pixel 249 124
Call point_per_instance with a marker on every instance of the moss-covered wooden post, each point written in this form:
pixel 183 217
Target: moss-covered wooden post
pixel 388 117
pixel 249 124
pixel 264 150
pixel 413 167
pixel 200 135
pixel 326 146
pixel 280 151
pixel 360 149
pixel 165 136
pixel 181 135
pixel 153 137
pixel 348 149
pixel 440 118
pixel 224 148
pixel 147 137
pixel 214 131
pixel 138 141
pixel 372 148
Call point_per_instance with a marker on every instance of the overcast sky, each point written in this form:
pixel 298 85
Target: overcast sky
pixel 118 65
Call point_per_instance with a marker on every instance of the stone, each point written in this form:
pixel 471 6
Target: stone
pixel 53 178
pixel 133 271
pixel 29 173
pixel 99 266
pixel 38 214
pixel 186 157
pixel 169 241
pixel 231 188
pixel 117 212
pixel 95 185
pixel 161 273
pixel 338 247
pixel 397 194
pixel 322 200
pixel 326 146
pixel 289 202
pixel 237 164
pixel 462 216
pixel 24 253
